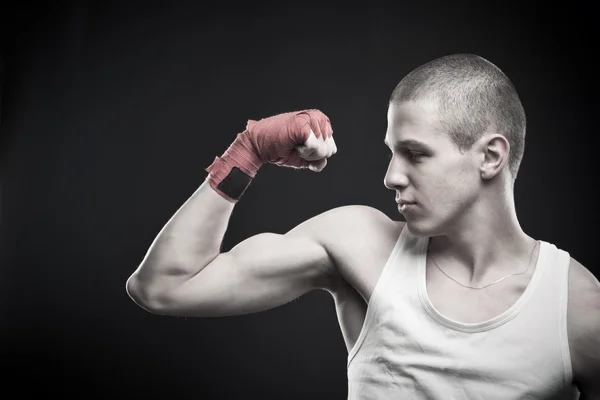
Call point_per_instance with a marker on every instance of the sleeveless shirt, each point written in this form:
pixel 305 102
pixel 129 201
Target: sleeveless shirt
pixel 406 349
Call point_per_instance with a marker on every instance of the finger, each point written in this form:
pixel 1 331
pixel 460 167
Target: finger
pixel 313 121
pixel 313 149
pixel 317 166
pixel 323 121
pixel 294 161
pixel 330 145
pixel 300 128
pixel 315 124
pixel 327 128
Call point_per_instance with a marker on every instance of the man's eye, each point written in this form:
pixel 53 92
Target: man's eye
pixel 415 156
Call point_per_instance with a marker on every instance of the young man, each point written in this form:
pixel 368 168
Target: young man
pixel 458 302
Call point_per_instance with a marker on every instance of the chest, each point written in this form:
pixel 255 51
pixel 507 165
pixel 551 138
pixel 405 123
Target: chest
pixel 361 262
pixel 362 259
pixel 469 305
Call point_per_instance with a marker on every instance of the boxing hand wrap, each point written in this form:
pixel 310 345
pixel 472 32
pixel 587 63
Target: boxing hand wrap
pixel 231 174
pixel 270 140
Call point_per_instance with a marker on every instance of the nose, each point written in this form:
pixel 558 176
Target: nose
pixel 395 177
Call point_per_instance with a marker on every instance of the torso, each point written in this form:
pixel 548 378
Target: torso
pixel 472 306
pixel 361 257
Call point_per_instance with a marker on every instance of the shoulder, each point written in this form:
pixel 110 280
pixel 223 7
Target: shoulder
pixel 351 218
pixel 357 221
pixel 342 228
pixel 357 210
pixel 351 234
pixel 584 295
pixel 583 319
pixel 359 239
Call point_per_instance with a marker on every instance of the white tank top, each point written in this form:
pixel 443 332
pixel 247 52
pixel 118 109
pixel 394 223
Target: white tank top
pixel 408 350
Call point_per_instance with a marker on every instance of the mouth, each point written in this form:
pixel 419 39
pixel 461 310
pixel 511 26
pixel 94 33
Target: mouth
pixel 402 207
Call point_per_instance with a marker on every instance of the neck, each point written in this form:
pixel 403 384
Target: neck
pixel 487 242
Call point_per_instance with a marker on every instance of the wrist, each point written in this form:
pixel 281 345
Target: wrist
pixel 231 174
pixel 242 154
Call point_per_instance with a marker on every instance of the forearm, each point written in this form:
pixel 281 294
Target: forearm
pixel 191 240
pixel 188 242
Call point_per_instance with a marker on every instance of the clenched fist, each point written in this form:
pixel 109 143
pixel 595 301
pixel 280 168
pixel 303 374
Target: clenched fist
pixel 301 139
pixel 296 139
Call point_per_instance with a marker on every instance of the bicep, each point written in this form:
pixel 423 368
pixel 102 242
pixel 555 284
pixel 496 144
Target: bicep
pixel 262 272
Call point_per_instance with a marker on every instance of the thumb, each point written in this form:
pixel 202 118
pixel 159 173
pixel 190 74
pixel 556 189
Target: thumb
pixel 317 166
pixel 294 160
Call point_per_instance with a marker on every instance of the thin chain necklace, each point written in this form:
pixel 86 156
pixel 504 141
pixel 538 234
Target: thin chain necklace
pixel 493 283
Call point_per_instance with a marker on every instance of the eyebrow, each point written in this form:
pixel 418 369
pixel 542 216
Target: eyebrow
pixel 410 142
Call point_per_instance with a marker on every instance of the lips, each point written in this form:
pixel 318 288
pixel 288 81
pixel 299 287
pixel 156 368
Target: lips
pixel 404 205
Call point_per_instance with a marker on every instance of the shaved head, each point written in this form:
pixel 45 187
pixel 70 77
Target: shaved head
pixel 474 97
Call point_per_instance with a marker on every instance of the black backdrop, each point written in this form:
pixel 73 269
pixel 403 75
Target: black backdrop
pixel 111 111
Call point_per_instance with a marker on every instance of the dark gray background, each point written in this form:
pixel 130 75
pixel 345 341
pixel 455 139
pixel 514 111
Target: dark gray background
pixel 111 112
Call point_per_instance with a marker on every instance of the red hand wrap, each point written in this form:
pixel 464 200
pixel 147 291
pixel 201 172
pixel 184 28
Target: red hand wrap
pixel 270 140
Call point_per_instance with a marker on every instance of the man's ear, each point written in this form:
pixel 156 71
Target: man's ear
pixel 495 149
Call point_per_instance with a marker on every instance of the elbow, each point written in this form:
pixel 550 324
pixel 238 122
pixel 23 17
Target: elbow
pixel 145 296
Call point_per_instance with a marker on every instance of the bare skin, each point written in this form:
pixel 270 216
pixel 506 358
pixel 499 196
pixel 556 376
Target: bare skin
pixel 345 249
pixel 356 283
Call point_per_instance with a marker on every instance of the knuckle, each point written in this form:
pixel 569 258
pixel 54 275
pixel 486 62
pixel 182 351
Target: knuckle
pixel 322 151
pixel 305 151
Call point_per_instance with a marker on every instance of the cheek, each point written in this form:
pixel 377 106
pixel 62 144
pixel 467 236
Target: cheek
pixel 452 185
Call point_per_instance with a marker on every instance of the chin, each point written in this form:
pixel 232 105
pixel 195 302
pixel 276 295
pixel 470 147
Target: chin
pixel 420 228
